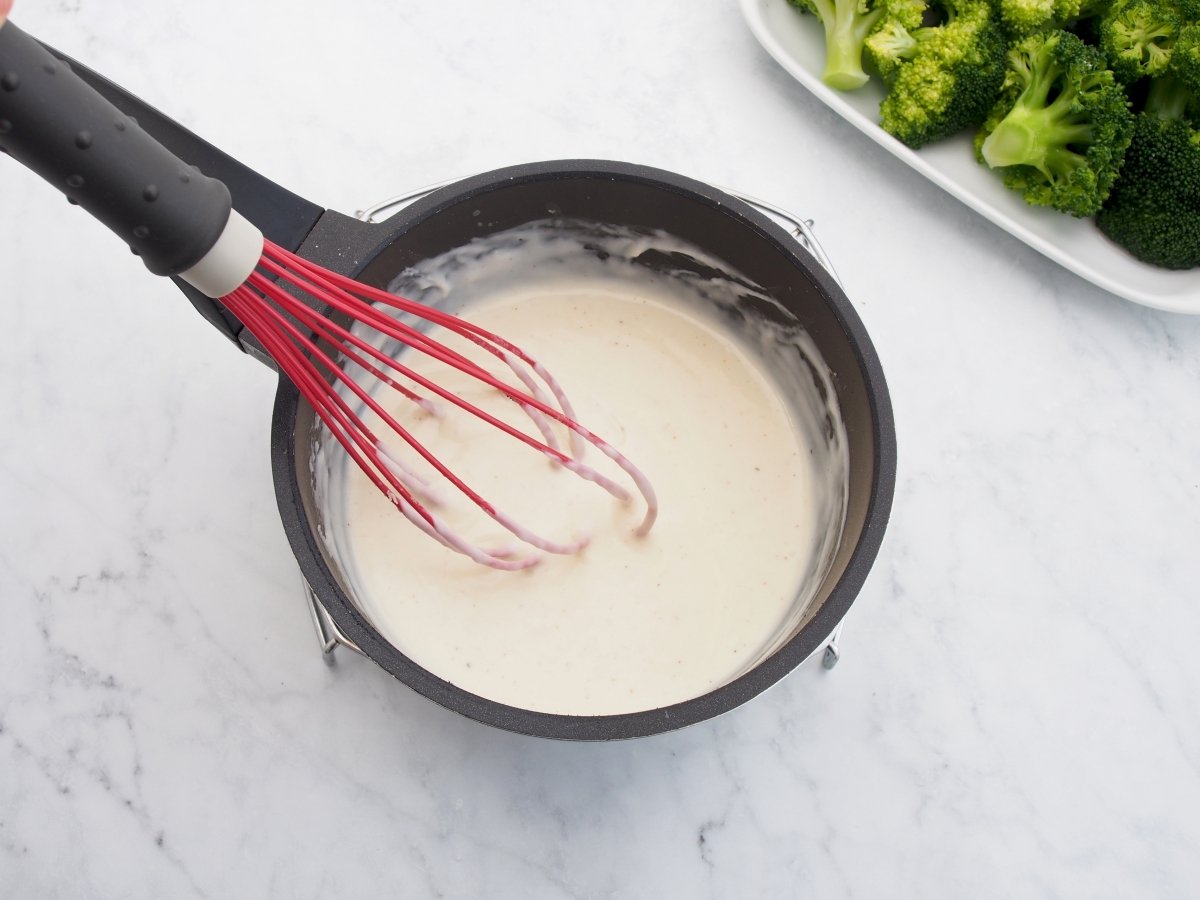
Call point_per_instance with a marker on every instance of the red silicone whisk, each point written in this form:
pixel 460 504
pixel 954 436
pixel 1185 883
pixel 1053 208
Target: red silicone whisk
pixel 309 320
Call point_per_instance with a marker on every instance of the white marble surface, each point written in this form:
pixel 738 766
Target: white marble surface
pixel 1015 715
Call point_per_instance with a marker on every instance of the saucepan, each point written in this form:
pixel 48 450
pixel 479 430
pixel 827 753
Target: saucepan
pixel 748 238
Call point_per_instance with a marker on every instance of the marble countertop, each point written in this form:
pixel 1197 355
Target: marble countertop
pixel 1016 712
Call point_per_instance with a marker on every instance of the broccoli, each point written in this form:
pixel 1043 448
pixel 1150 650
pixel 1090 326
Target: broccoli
pixel 847 24
pixel 1061 125
pixel 1138 36
pixel 890 46
pixel 1025 17
pixel 1185 58
pixel 1154 208
pixel 1171 97
pixel 942 78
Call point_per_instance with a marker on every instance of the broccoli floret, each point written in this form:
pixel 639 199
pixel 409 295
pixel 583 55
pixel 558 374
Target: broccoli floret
pixel 1154 208
pixel 1061 126
pixel 847 24
pixel 889 47
pixel 1138 37
pixel 1185 58
pixel 943 78
pixel 1025 17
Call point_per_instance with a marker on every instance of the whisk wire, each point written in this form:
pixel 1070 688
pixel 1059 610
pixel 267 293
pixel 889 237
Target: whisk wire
pixel 492 343
pixel 325 362
pixel 414 338
pixel 292 331
pixel 322 324
pixel 299 309
pixel 357 440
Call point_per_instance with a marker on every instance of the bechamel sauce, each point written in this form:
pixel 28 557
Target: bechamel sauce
pixel 749 488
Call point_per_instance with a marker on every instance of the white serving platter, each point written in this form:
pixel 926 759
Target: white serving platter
pixel 796 41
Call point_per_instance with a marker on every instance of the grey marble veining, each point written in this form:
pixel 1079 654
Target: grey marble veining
pixel 1016 713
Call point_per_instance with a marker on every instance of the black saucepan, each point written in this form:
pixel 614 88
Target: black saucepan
pixel 607 192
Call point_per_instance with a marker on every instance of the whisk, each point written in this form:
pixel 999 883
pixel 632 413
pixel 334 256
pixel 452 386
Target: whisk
pixel 308 319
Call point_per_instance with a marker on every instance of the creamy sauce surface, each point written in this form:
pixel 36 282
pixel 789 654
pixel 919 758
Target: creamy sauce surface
pixel 629 623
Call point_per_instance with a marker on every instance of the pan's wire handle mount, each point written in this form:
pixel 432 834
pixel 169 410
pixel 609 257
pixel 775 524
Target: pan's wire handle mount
pixel 801 229
pixel 329 636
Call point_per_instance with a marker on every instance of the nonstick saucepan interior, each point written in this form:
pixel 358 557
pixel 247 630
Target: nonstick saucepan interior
pixel 606 192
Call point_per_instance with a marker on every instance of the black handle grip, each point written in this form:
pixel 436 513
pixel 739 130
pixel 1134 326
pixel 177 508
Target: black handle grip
pixel 52 122
pixel 282 216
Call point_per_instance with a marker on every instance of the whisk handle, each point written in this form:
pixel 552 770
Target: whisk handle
pixel 55 124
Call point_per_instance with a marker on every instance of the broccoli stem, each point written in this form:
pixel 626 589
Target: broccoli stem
pixel 1167 98
pixel 1015 141
pixel 1035 137
pixel 845 30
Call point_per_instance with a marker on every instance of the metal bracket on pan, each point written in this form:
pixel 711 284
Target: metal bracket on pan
pixel 328 634
pixel 831 654
pixel 393 205
pixel 801 229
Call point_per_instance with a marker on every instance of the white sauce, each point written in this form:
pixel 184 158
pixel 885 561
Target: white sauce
pixel 751 486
